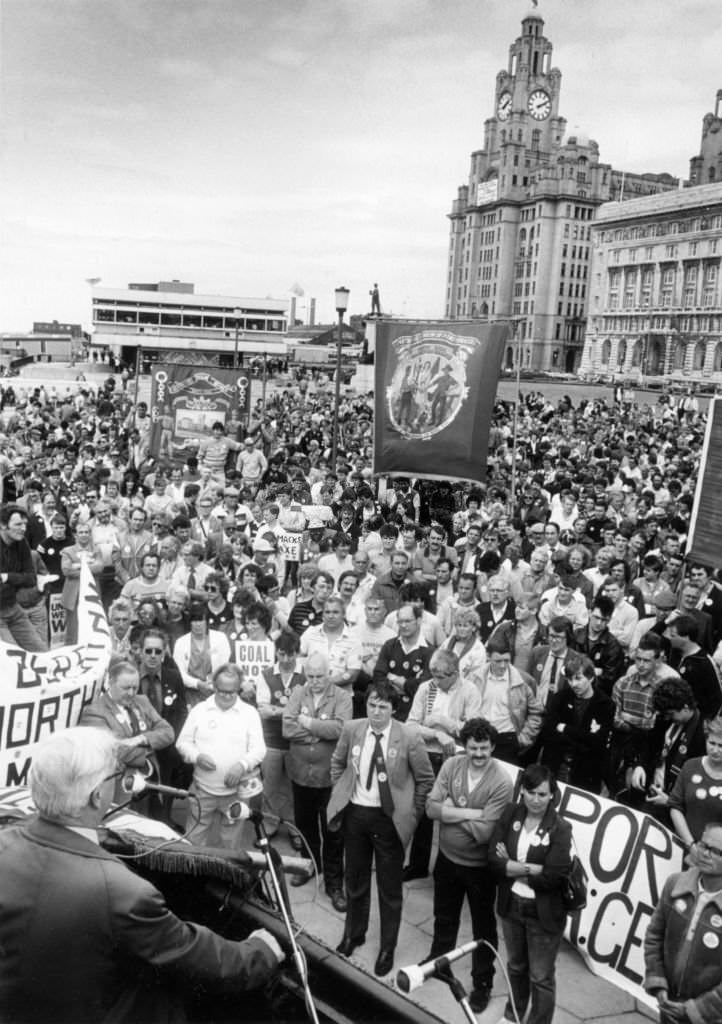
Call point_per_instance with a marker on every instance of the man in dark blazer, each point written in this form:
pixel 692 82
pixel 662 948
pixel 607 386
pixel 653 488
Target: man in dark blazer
pixel 381 776
pixel 499 608
pixel 95 941
pixel 139 729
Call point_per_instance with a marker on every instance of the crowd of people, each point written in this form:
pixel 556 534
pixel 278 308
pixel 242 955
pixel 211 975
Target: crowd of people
pixel 354 656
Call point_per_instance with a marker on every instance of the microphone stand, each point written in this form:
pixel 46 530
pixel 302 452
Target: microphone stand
pixel 281 893
pixel 444 973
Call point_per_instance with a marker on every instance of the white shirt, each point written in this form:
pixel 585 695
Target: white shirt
pixel 229 737
pixel 361 795
pixel 495 703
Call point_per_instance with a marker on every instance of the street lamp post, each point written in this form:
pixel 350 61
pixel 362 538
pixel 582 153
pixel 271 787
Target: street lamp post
pixel 517 337
pixel 237 314
pixel 341 295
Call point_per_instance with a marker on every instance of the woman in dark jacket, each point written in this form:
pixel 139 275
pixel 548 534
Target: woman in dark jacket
pixel 531 851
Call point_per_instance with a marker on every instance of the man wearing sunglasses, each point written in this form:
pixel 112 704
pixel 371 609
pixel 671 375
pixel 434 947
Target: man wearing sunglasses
pixel 683 945
pixel 117 951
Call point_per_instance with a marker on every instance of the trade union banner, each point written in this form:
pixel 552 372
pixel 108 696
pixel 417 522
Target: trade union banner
pixel 704 543
pixel 187 400
pixel 628 856
pixel 435 391
pixel 43 693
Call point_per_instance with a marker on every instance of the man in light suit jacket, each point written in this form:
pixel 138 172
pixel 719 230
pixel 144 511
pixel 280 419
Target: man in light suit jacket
pixel 381 777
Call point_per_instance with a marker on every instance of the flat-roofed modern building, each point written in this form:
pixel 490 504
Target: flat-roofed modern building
pixel 170 323
pixel 656 290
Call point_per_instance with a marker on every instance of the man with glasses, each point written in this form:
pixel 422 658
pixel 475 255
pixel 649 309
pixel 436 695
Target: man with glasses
pixel 440 708
pixel 161 682
pixel 118 951
pixel 683 966
pixel 223 739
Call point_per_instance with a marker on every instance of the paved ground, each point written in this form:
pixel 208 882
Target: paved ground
pixel 581 996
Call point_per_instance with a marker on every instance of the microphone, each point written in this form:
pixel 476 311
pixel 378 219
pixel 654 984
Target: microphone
pixel 240 811
pixel 134 784
pixel 410 978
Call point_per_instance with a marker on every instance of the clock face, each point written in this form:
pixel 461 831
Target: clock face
pixel 539 105
pixel 503 107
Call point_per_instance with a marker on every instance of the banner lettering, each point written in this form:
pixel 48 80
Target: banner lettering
pixel 42 693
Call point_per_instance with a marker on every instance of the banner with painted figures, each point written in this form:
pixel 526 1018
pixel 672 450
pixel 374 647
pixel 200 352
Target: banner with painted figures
pixel 435 391
pixel 187 400
pixel 44 693
pixel 628 856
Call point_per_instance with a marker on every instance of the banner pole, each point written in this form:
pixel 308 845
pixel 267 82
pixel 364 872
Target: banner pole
pixel 517 348
pixel 137 383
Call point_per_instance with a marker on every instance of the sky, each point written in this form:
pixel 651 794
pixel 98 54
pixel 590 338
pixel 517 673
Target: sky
pixel 252 145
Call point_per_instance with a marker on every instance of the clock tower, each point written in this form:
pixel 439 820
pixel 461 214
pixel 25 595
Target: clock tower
pixel 520 240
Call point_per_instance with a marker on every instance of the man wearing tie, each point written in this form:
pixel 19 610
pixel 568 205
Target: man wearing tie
pixel 381 776
pixel 132 718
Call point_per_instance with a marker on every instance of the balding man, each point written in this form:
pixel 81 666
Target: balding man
pixel 312 723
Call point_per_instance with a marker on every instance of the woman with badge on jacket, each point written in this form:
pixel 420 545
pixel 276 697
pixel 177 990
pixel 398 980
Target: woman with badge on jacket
pixel 531 851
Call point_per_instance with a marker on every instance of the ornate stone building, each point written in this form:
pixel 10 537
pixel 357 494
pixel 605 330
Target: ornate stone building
pixel 656 289
pixel 707 166
pixel 520 242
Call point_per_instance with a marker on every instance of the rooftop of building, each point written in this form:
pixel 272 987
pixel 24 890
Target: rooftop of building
pixel 662 202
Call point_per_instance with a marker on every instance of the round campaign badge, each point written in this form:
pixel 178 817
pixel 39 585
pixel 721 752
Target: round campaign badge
pixel 304 711
pixel 356 750
pixel 383 777
pixel 716 921
pixel 323 716
pixel 680 906
pixel 283 699
pixel 696 779
pixel 517 826
pixel 304 622
pixel 170 699
pixel 405 665
pixel 683 748
pixel 392 664
pixel 462 801
pixel 701 794
pixel 710 940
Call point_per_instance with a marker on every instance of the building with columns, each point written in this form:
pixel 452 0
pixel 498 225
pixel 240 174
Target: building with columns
pixel 656 290
pixel 520 238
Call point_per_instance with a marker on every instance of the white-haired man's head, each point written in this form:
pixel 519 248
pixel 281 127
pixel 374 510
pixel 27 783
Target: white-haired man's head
pixel 68 768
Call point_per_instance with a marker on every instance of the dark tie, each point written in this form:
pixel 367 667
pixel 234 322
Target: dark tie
pixel 553 675
pixel 377 762
pixel 192 579
pixel 134 720
pixel 155 693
